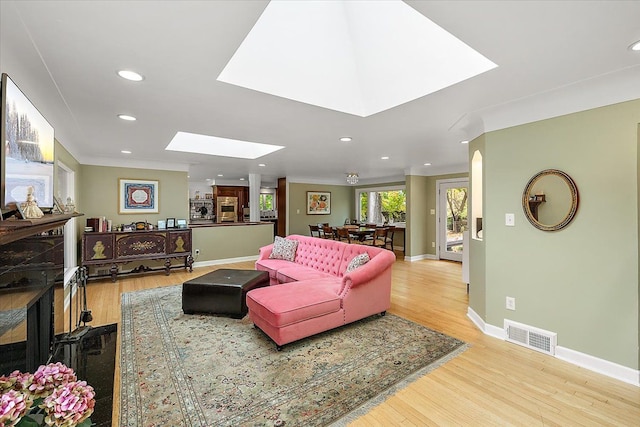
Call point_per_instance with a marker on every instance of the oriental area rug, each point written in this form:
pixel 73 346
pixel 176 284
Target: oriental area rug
pixel 210 370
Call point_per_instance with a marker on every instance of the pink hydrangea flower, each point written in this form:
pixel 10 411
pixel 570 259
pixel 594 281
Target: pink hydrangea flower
pixel 69 405
pixel 15 381
pixel 13 406
pixel 50 376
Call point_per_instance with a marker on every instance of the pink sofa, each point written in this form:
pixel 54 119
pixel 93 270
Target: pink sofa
pixel 314 293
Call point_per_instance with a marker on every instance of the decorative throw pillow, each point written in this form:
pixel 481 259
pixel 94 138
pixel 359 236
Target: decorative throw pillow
pixel 358 261
pixel 284 249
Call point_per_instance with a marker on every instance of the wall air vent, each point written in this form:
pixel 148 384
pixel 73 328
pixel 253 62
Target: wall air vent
pixel 528 336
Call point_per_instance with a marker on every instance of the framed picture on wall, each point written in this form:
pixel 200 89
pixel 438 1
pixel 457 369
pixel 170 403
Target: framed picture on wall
pixel 318 203
pixel 137 196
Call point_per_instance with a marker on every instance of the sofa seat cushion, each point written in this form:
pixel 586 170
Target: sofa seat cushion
pixel 272 266
pixel 295 273
pixel 292 303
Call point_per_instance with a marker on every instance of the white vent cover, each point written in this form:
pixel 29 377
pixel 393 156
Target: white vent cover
pixel 528 336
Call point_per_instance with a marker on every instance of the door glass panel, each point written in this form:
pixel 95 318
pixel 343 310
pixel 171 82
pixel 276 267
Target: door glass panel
pixel 456 218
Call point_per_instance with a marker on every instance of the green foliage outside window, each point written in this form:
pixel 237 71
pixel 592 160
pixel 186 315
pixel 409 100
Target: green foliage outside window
pixel 266 202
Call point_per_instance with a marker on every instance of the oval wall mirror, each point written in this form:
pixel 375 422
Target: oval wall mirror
pixel 550 200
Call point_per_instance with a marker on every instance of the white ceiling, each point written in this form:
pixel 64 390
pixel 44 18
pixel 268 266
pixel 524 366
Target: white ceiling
pixel 553 58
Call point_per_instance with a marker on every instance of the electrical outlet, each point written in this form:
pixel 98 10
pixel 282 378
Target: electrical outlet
pixel 511 303
pixel 197 252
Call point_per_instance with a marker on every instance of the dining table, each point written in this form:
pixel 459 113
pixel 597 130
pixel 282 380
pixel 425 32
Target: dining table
pixel 360 232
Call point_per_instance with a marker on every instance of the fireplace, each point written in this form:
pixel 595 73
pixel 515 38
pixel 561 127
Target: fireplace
pixel 31 265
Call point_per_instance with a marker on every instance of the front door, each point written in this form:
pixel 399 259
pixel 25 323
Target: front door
pixel 452 217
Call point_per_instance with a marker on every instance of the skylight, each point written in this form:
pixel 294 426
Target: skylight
pixel 215 146
pixel 357 57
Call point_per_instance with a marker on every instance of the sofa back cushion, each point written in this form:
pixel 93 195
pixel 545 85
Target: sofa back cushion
pixel 352 251
pixel 320 254
pixel 284 249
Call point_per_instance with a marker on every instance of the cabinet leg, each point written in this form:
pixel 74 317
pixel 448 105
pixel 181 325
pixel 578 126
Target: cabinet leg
pixel 189 263
pixel 167 267
pixel 114 272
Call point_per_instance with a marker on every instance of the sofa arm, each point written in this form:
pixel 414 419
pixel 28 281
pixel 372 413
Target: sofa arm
pixel 369 271
pixel 265 252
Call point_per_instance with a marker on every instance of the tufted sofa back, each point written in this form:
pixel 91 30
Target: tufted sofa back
pixel 328 256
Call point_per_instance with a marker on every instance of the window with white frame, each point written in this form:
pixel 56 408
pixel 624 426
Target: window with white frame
pixel 381 205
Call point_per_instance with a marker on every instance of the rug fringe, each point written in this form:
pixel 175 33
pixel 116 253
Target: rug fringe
pixel 370 404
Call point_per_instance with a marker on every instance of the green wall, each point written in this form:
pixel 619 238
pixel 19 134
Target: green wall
pixel 231 241
pixel 342 206
pixel 99 193
pixel 582 281
pixel 477 257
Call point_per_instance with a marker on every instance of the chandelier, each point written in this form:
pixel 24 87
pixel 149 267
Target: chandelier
pixel 352 178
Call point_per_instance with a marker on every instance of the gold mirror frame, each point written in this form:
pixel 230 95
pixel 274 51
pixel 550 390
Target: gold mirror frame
pixel 526 199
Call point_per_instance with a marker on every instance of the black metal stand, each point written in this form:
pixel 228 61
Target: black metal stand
pixel 82 314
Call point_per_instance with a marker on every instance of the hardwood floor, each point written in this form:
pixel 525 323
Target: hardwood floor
pixel 492 383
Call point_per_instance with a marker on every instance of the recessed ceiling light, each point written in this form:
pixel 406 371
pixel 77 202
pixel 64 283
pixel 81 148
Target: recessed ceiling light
pixel 384 158
pixel 346 139
pixel 427 164
pixel 220 174
pixel 125 152
pixel 464 142
pixel 261 165
pixel 130 75
pixel 635 46
pixel 127 117
pixel 241 179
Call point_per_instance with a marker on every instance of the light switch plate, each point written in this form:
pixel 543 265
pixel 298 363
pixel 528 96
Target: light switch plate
pixel 509 219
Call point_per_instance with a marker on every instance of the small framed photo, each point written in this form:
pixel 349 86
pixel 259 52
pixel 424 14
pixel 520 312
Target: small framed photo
pixel 162 225
pixel 20 211
pixel 58 204
pixel 318 203
pixel 181 223
pixel 171 223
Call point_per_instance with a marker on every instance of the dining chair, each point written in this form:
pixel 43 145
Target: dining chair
pixel 391 229
pixel 379 238
pixel 327 232
pixel 314 230
pixel 344 236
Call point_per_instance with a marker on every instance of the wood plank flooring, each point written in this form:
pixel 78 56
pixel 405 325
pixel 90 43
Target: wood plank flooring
pixel 492 383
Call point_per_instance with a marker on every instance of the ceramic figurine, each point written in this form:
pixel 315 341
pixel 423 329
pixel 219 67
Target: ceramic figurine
pixel 30 207
pixel 70 206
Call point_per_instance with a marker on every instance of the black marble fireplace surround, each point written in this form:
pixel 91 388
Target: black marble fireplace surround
pixel 31 278
pixel 30 268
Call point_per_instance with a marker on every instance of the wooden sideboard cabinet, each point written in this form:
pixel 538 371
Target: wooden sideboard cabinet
pixel 122 247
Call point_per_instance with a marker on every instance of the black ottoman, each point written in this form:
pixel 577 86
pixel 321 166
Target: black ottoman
pixel 222 291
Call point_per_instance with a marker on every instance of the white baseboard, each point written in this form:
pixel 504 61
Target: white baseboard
pixel 419 257
pixel 592 363
pixel 488 329
pixel 224 261
pixel 601 366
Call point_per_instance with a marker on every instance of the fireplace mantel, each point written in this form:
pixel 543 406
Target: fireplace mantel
pixel 16 229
